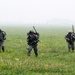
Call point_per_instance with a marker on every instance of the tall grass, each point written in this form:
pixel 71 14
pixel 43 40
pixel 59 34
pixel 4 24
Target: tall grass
pixel 53 59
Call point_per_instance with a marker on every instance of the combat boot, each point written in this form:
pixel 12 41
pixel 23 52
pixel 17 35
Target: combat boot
pixel 3 48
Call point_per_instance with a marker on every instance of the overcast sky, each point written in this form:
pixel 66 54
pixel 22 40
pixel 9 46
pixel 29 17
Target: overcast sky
pixel 36 11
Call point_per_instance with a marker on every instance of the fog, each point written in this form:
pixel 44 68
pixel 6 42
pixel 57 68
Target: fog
pixel 37 12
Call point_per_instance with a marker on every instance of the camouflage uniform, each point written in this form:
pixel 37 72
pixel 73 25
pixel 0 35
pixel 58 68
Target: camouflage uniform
pixel 70 40
pixel 2 38
pixel 32 40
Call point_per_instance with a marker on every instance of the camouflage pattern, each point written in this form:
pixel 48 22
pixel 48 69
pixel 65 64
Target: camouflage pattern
pixel 70 38
pixel 2 38
pixel 32 39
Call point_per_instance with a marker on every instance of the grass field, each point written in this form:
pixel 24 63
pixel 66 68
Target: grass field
pixel 53 59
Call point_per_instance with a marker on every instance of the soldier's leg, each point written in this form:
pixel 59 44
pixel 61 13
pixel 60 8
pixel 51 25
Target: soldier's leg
pixel 3 48
pixel 73 47
pixel 69 47
pixel 35 51
pixel 0 48
pixel 29 50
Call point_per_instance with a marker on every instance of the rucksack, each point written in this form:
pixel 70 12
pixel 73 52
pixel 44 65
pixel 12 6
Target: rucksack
pixel 1 36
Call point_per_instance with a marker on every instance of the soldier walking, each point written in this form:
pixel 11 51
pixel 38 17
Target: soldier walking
pixel 32 39
pixel 2 38
pixel 70 40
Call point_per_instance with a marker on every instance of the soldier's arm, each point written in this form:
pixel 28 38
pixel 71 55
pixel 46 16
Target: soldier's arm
pixel 4 32
pixel 4 35
pixel 66 38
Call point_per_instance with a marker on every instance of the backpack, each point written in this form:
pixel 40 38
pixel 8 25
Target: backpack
pixel 4 35
pixel 1 37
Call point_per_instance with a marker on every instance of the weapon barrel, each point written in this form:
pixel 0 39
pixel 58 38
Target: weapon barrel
pixel 34 29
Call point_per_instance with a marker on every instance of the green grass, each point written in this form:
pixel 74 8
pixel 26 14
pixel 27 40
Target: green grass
pixel 53 59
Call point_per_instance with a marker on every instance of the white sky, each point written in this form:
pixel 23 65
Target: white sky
pixel 36 11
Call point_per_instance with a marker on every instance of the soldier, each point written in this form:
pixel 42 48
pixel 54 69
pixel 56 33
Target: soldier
pixel 70 40
pixel 2 38
pixel 32 39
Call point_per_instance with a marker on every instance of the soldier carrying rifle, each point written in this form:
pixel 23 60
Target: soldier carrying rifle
pixel 2 39
pixel 70 38
pixel 33 39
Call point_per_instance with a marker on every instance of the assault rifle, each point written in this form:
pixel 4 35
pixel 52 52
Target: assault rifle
pixel 36 32
pixel 34 29
pixel 73 32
